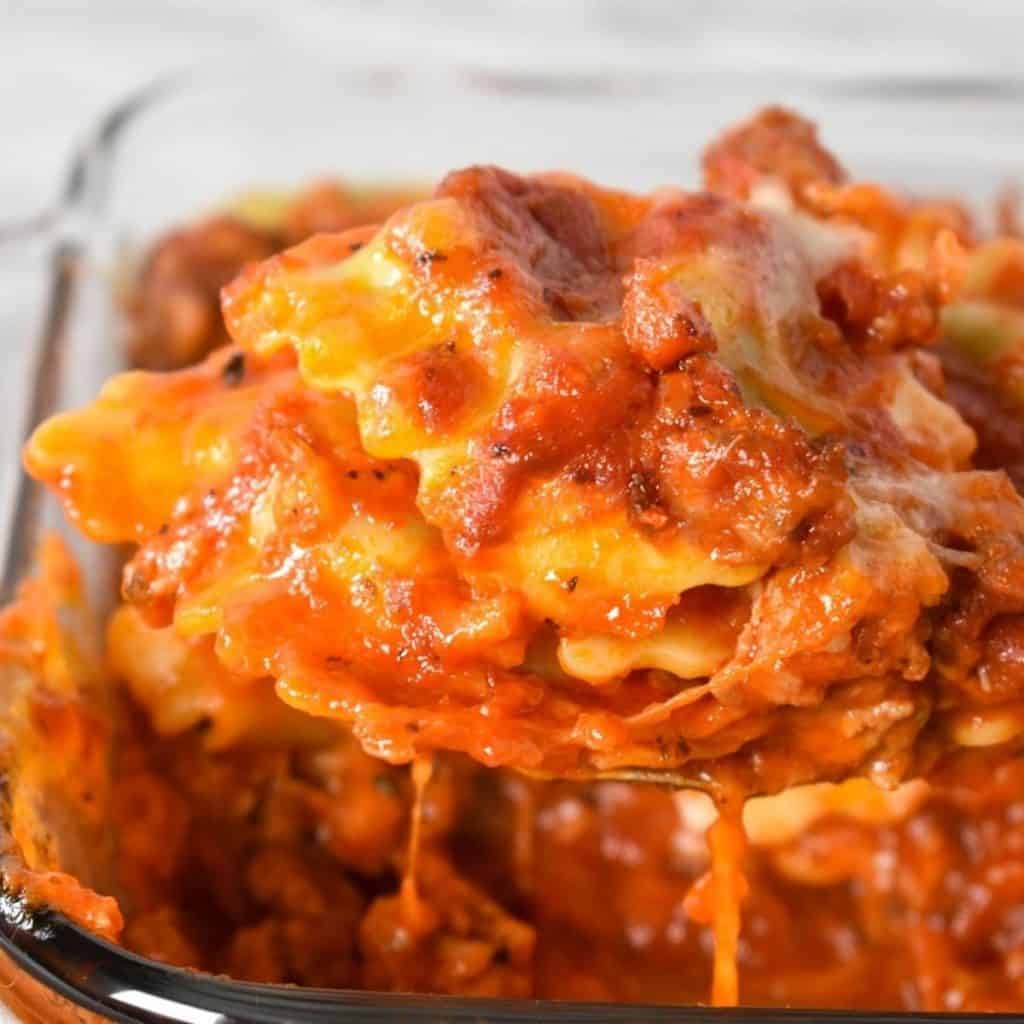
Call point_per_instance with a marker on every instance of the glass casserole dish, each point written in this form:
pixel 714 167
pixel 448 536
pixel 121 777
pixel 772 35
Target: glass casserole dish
pixel 183 146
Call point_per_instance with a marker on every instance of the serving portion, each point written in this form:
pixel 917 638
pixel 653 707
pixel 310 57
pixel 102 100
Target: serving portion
pixel 584 485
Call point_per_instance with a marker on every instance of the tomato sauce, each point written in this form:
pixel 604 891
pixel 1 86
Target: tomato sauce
pixel 468 528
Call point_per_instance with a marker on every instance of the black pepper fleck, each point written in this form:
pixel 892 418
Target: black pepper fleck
pixel 233 372
pixel 430 256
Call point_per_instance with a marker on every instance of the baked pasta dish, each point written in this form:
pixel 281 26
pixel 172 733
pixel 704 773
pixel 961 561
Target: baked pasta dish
pixel 536 589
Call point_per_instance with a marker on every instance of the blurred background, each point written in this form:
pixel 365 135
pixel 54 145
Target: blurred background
pixel 63 62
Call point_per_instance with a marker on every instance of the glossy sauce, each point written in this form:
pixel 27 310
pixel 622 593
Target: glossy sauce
pixel 576 483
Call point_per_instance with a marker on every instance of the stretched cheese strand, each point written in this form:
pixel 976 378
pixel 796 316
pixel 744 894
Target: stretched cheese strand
pixel 523 850
pixel 416 914
pixel 716 898
pixel 727 842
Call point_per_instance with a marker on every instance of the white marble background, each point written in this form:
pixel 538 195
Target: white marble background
pixel 64 62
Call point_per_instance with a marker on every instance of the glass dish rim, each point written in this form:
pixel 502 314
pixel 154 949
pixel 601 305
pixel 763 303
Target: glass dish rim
pixel 109 980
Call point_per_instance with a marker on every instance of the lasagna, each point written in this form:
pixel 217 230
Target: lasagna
pixel 554 491
pixel 584 483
